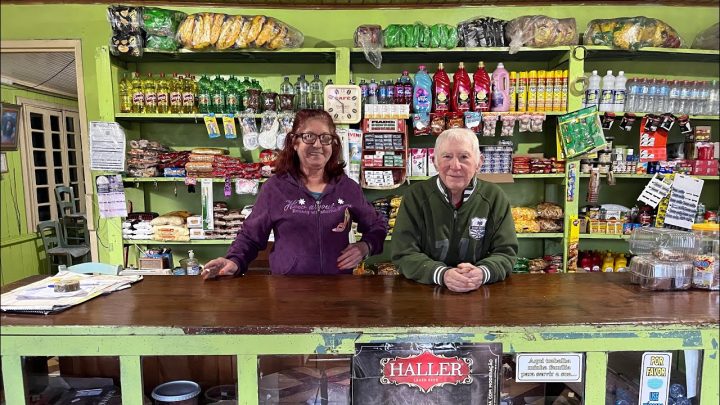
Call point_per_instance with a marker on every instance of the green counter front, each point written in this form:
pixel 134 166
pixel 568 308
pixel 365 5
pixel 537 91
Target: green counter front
pixel 602 316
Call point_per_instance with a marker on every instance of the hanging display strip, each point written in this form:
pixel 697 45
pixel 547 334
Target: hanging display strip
pixel 683 201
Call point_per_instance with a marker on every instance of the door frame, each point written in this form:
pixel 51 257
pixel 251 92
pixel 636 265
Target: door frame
pixel 74 46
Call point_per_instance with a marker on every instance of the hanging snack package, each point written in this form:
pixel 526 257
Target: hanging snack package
pixel 160 21
pixel 473 121
pixel 508 124
pixel 437 123
pixel 125 19
pixel 455 120
pixel 581 132
pixel 490 123
pixel 708 39
pixel 212 126
pixel 161 43
pixel 229 126
pixel 536 122
pixel 246 186
pixel 126 44
pixel 539 31
pixel 421 124
pixel 631 33
pixel 249 130
pixel 369 38
pixel 268 130
pixel 524 122
pixel 627 122
pixel 285 121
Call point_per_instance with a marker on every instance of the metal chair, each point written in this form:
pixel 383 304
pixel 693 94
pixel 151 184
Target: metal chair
pixel 93 268
pixel 56 248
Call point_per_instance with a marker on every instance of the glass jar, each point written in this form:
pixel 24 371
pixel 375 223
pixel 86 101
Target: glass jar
pixel 706 274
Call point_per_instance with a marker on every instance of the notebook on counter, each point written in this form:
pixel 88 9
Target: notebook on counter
pixel 40 297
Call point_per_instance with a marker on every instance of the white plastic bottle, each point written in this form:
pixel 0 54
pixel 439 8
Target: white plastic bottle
pixel 673 100
pixel 606 96
pixel 592 94
pixel 631 90
pixel 619 95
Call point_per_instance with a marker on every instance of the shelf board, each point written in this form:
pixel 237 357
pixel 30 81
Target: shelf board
pixel 173 179
pixel 191 242
pixel 652 54
pixel 692 117
pixel 603 236
pixel 461 54
pixel 297 55
pixel 514 176
pixel 648 176
pixel 545 235
pixel 191 118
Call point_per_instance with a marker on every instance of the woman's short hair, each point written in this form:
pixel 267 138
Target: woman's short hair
pixel 288 161
pixel 458 135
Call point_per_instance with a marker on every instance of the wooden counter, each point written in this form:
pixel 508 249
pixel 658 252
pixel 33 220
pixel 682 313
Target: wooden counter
pixel 254 315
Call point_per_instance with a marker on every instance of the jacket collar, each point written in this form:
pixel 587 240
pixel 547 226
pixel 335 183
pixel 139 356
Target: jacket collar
pixel 446 192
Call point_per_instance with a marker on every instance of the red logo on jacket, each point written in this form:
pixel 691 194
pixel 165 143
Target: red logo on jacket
pixel 426 371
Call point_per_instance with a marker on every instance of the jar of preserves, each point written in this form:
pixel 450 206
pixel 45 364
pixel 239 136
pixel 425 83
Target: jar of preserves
pixel 706 273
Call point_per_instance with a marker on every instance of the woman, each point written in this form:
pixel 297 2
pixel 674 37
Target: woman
pixel 454 230
pixel 309 205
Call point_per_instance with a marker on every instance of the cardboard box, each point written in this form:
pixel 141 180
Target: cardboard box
pixel 194 221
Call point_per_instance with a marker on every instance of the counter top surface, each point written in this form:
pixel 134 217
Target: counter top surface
pixel 276 304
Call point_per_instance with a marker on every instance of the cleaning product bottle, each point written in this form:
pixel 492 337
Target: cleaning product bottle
pixel 500 89
pixel 422 92
pixel 441 90
pixel 557 91
pixel 606 96
pixel 191 265
pixel 513 91
pixel 620 263
pixel 532 91
pixel 619 92
pixel 608 263
pixel 540 100
pixel 462 90
pixel 522 92
pixel 564 89
pixel 592 94
pixel 481 89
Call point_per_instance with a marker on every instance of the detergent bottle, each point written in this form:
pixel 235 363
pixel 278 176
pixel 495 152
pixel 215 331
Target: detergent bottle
pixel 500 89
pixel 422 92
pixel 462 90
pixel 441 90
pixel 481 89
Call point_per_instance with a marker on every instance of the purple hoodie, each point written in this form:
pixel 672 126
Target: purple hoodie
pixel 309 234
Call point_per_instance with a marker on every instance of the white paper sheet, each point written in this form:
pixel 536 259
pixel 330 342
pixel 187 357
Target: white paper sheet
pixel 111 196
pixel 107 146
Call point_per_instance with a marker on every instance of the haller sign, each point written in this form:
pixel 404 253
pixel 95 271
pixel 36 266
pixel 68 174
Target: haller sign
pixel 423 373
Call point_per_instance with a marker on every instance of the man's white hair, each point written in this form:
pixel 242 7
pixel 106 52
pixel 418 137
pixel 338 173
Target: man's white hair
pixel 457 135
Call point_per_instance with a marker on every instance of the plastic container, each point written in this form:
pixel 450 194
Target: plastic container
pixel 462 90
pixel 654 274
pixel 619 92
pixel 441 90
pixel 176 393
pixel 422 92
pixel 606 96
pixel 592 94
pixel 706 271
pixel 481 89
pixel 500 99
pixel 665 244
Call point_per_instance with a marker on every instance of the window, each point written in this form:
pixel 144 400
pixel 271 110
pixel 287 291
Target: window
pixel 52 157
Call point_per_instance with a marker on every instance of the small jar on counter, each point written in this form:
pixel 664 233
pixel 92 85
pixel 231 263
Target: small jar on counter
pixel 706 274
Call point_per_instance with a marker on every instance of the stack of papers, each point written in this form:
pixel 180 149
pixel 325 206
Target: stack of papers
pixel 40 297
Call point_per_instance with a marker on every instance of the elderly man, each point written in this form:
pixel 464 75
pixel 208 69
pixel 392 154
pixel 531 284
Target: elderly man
pixel 454 230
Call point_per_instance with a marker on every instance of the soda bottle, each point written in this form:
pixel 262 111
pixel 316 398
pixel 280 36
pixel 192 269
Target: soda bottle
pixel 442 92
pixel 150 90
pixel 243 85
pixel 204 89
pixel 408 87
pixel 163 95
pixel 189 92
pixel 316 93
pixel 217 98
pixel 287 92
pixel 232 98
pixel 461 90
pixel 138 97
pixel 125 93
pixel 302 93
pixel 175 97
pixel 372 97
pixel 422 92
pixel 363 91
pixel 389 92
pixel 399 93
pixel 382 93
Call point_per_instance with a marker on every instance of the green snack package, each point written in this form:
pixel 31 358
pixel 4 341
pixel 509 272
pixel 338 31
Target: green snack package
pixel 424 41
pixel 408 35
pixel 416 31
pixel 161 43
pixel 581 132
pixel 160 21
pixel 436 33
pixel 392 35
pixel 452 38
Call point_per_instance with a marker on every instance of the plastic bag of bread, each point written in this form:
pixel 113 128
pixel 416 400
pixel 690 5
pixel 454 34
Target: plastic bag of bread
pixel 708 39
pixel 549 225
pixel 631 33
pixel 548 210
pixel 175 218
pixel 539 31
pixel 526 226
pixel 523 213
pixel 209 151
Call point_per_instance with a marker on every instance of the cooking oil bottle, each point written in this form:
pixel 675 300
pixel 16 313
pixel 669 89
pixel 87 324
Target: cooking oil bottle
pixel 163 95
pixel 150 90
pixel 176 101
pixel 189 91
pixel 138 97
pixel 125 93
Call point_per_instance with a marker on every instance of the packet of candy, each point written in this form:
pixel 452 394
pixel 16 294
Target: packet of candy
pixel 212 126
pixel 489 124
pixel 685 126
pixel 455 120
pixel 249 130
pixel 524 121
pixel 536 122
pixel 627 122
pixel 508 124
pixel 608 120
pixel 437 123
pixel 229 126
pixel 652 122
pixel 268 130
pixel 285 121
pixel 246 186
pixel 667 121
pixel 421 124
pixel 473 120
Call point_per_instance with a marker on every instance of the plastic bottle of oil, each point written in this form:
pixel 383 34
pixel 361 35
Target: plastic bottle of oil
pixel 125 93
pixel 176 101
pixel 138 97
pixel 189 92
pixel 163 95
pixel 150 90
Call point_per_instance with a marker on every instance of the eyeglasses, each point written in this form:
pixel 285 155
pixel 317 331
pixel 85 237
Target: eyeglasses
pixel 310 138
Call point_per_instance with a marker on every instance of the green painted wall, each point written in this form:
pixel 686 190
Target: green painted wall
pixel 21 251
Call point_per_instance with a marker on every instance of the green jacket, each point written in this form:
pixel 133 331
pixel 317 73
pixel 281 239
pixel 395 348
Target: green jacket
pixel 431 236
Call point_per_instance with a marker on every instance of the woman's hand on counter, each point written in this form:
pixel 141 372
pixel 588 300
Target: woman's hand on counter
pixel 219 267
pixel 352 255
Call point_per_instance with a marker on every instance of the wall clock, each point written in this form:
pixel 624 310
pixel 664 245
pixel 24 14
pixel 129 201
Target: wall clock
pixel 344 103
